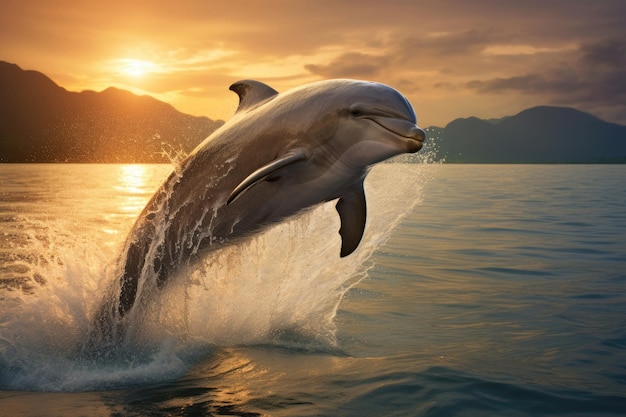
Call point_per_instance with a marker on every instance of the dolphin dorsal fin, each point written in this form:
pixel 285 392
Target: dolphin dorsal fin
pixel 251 93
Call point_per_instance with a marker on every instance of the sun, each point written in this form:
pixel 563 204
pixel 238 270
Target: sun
pixel 135 67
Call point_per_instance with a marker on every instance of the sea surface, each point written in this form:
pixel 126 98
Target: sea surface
pixel 479 290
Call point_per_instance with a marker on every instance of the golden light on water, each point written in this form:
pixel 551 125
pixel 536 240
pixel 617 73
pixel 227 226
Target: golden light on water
pixel 133 185
pixel 133 177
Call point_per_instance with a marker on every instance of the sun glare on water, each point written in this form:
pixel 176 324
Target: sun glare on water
pixel 133 177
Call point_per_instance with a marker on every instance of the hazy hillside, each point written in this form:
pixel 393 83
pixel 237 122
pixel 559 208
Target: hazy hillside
pixel 540 134
pixel 42 122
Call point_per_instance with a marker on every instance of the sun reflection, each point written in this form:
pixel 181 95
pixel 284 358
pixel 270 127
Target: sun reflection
pixel 133 178
pixel 133 185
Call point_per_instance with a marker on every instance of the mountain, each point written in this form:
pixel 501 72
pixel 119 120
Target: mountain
pixel 42 122
pixel 537 135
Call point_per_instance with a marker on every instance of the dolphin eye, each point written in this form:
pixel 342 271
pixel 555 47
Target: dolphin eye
pixel 356 112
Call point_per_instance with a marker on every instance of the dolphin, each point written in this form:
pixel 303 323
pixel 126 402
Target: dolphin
pixel 278 155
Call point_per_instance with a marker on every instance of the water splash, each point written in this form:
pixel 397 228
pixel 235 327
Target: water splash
pixel 176 155
pixel 283 286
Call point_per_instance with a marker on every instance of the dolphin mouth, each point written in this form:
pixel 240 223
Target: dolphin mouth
pixel 408 131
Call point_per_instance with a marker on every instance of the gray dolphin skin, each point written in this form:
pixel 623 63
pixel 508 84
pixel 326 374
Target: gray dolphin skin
pixel 278 155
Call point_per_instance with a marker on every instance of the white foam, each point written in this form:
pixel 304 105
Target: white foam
pixel 288 279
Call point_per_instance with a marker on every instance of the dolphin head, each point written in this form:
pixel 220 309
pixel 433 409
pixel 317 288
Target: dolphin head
pixel 369 120
pixel 375 122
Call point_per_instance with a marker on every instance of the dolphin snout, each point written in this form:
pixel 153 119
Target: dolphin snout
pixel 416 140
pixel 418 134
pixel 404 128
pixel 400 127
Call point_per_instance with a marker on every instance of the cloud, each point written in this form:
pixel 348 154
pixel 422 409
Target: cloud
pixel 608 53
pixel 350 65
pixel 448 44
pixel 594 79
pixel 528 84
pixel 453 56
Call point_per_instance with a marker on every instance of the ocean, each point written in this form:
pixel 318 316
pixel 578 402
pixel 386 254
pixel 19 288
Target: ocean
pixel 478 290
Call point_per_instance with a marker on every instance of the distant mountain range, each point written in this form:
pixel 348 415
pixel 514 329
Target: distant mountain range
pixel 537 135
pixel 42 122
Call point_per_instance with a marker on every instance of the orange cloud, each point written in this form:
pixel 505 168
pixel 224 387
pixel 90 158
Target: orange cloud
pixel 446 55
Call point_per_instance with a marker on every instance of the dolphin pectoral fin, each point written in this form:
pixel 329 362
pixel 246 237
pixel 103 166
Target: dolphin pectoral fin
pixel 251 93
pixel 352 211
pixel 265 171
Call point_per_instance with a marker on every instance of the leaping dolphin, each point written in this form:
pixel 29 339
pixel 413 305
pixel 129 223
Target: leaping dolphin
pixel 278 155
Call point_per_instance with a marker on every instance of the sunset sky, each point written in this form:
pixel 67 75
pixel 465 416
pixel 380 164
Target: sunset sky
pixel 452 58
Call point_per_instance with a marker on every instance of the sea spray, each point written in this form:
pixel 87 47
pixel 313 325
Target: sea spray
pixel 282 286
pixel 288 278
